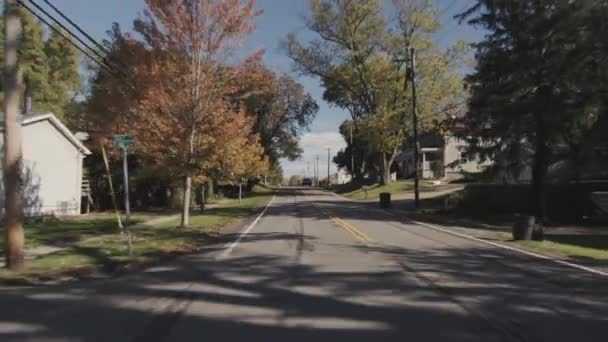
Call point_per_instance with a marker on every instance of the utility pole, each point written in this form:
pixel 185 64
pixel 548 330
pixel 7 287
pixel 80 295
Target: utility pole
pixel 352 155
pixel 12 140
pixel 328 165
pixel 415 123
pixel 308 169
pixel 317 176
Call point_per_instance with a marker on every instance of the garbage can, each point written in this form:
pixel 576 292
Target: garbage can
pixel 524 228
pixel 385 200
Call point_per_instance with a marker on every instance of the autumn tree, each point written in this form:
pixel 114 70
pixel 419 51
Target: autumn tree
pixel 176 94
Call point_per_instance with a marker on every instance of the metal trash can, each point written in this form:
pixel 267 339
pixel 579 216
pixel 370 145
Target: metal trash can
pixel 385 200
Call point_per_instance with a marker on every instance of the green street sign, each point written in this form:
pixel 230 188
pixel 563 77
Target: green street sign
pixel 123 141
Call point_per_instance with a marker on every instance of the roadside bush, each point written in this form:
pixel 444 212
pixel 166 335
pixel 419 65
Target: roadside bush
pixel 565 202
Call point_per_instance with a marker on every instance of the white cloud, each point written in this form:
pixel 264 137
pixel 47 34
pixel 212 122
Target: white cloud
pixel 322 140
pixel 315 144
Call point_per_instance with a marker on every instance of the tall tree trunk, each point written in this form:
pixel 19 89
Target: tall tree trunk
pixel 539 169
pixel 359 175
pixel 186 202
pixel 188 182
pixel 386 169
pixel 203 198
pixel 210 189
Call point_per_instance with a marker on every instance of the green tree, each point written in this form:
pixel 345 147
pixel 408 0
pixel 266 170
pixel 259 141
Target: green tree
pixel 530 96
pixel 275 174
pixel 50 69
pixel 295 180
pixel 360 56
pixel 357 153
pixel 63 61
pixel 282 110
pixel 34 69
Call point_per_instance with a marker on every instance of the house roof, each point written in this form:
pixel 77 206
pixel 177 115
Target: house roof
pixel 29 119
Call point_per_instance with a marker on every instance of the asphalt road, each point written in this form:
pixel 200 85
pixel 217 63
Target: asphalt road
pixel 316 268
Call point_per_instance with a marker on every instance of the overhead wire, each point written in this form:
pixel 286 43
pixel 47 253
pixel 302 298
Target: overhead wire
pixel 71 22
pixel 102 60
pixel 63 35
pixel 75 36
pixel 83 32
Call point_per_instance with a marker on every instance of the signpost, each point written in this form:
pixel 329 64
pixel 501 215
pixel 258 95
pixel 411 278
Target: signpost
pixel 124 142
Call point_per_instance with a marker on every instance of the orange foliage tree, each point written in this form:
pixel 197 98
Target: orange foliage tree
pixel 177 94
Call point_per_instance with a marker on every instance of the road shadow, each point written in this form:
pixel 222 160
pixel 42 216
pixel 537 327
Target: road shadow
pixel 439 295
pixel 443 293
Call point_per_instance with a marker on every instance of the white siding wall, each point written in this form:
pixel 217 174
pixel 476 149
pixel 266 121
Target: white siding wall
pixel 452 153
pixel 52 171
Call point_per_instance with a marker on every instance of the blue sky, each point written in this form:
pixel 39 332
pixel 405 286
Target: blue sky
pixel 280 18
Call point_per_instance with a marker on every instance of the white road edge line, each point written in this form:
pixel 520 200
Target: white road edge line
pixel 514 249
pixel 231 245
pixel 499 245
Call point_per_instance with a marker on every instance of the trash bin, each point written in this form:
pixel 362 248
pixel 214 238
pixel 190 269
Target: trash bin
pixel 524 228
pixel 385 200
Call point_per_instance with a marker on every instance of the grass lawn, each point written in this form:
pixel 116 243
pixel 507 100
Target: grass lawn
pixel 568 248
pixel 61 231
pixel 98 247
pixel 589 245
pixel 358 192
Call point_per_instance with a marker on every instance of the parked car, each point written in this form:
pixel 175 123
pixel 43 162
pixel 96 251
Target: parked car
pixel 307 182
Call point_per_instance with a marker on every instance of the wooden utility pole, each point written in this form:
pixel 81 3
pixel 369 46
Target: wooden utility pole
pixel 328 165
pixel 13 195
pixel 317 172
pixel 352 155
pixel 308 169
pixel 415 124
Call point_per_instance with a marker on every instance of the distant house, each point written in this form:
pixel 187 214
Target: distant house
pixel 52 166
pixel 440 157
pixel 340 177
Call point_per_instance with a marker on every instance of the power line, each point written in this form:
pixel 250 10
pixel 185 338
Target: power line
pixel 454 106
pixel 44 21
pixel 66 18
pixel 83 32
pixel 103 58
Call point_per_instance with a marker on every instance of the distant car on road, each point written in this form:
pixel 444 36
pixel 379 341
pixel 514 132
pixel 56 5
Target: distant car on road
pixel 307 182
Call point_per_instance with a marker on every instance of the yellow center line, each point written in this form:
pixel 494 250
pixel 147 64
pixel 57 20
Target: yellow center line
pixel 345 225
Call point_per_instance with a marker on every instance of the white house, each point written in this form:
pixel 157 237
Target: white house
pixel 440 157
pixel 341 177
pixel 52 166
